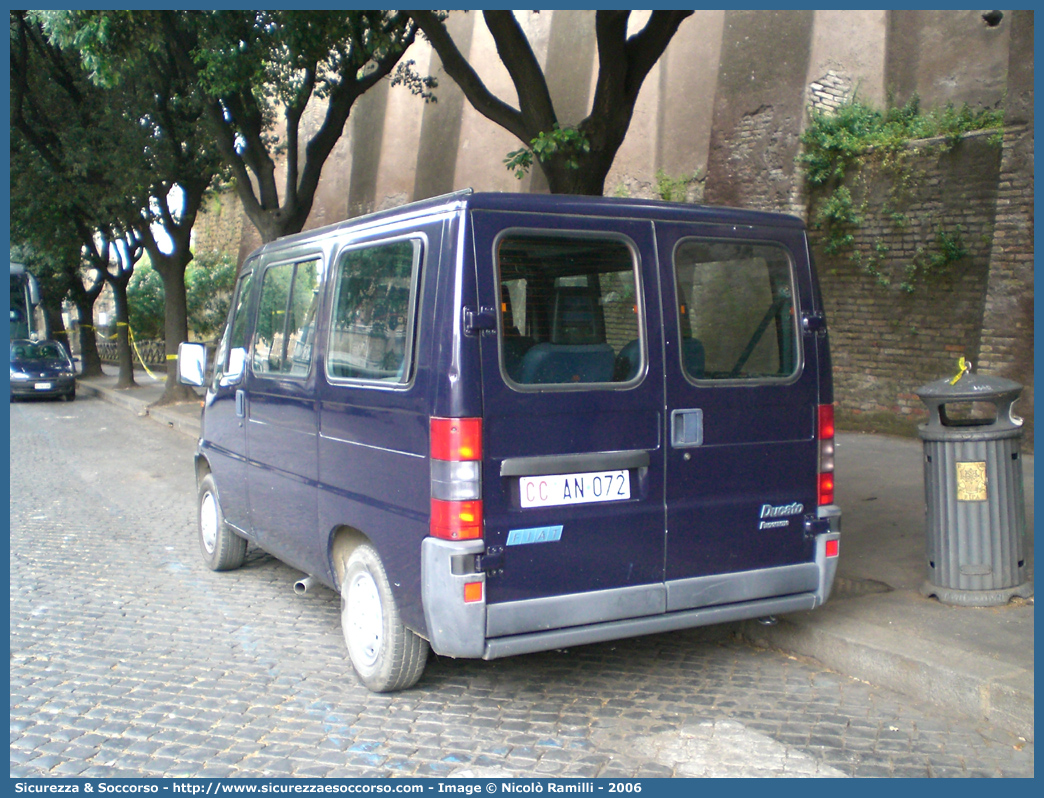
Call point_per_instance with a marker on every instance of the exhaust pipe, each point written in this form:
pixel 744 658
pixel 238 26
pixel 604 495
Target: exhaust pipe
pixel 302 586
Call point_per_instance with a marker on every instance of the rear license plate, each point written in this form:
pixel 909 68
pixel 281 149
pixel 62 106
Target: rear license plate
pixel 43 386
pixel 556 489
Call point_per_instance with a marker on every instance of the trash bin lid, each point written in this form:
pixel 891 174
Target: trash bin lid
pixel 969 388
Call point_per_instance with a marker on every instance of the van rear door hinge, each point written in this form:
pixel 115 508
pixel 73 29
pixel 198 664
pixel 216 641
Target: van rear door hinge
pixel 816 526
pixel 478 321
pixel 491 561
pixel 813 322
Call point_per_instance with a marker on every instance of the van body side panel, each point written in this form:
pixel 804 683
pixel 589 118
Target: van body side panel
pixel 373 436
pixel 374 479
pixel 574 427
pixel 825 366
pixel 282 441
pixel 456 371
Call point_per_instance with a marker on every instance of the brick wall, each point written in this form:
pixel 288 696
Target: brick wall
pixel 885 341
pixel 1006 348
pixel 830 92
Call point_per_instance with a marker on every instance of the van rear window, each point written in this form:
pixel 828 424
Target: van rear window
pixel 569 310
pixel 737 310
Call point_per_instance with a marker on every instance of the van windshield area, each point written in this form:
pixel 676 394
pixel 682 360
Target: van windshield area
pixel 569 310
pixel 736 310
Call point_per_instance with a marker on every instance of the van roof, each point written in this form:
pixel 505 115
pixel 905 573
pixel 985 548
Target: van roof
pixel 569 204
pixel 627 207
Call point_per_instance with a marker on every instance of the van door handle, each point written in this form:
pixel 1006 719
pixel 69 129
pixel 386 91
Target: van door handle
pixel 686 428
pixel 240 403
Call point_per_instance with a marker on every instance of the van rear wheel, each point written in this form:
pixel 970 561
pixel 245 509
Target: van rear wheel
pixel 223 549
pixel 385 654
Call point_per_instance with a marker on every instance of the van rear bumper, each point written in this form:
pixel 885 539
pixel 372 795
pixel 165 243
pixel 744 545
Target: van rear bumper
pixel 477 630
pixel 635 627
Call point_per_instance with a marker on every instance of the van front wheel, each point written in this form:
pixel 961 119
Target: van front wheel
pixel 386 655
pixel 222 549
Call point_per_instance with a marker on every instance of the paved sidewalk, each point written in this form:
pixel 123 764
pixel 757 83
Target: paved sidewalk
pixel 977 662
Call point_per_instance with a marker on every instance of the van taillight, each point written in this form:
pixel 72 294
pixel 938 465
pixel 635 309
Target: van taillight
pixel 456 478
pixel 825 434
pixel 456 439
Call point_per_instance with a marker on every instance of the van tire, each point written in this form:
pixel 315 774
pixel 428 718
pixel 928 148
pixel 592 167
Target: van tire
pixel 222 549
pixel 385 654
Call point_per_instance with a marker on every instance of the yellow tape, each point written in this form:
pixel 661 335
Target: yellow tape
pixel 963 367
pixel 134 343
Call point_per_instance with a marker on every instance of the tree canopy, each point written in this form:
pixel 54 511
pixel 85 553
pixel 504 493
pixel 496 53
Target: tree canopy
pixel 77 177
pixel 256 74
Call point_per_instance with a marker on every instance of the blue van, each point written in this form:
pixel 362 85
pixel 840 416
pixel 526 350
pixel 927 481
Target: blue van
pixel 506 423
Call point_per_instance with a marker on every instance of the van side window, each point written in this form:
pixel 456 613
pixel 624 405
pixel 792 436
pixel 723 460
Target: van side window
pixel 737 310
pixel 569 310
pixel 235 335
pixel 371 328
pixel 285 326
pixel 238 334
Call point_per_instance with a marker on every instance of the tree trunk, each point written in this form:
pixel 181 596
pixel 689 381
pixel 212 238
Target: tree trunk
pixel 90 360
pixel 56 325
pixel 588 179
pixel 171 269
pixel 123 347
pixel 84 299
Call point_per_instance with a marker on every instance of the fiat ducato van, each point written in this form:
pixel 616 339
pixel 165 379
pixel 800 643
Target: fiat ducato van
pixel 507 423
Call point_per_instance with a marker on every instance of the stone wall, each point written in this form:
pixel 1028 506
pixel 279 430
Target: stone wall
pixel 1007 335
pixel 887 341
pixel 1006 347
pixel 758 109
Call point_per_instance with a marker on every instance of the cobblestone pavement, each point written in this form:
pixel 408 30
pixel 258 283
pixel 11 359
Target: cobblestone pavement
pixel 130 659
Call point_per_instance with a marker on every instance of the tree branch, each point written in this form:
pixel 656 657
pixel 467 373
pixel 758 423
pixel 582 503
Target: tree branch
pixel 624 63
pixel 457 67
pixel 534 98
pixel 341 100
pixel 645 47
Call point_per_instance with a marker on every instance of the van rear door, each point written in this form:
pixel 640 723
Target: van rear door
pixel 573 417
pixel 741 409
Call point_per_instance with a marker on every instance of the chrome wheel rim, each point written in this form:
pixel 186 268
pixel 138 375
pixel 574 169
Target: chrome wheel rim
pixel 208 523
pixel 363 621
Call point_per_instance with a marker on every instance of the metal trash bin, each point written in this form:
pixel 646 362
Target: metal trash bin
pixel 975 507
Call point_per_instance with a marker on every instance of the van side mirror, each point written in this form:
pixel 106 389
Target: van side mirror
pixel 236 366
pixel 192 364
